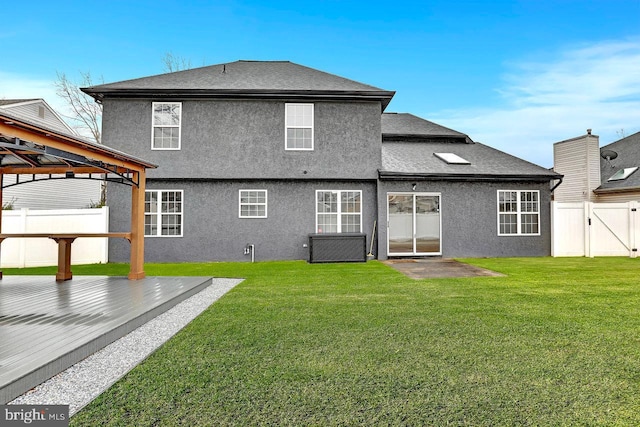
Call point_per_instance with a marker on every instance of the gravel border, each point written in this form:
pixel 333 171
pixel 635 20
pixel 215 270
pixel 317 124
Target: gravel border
pixel 81 383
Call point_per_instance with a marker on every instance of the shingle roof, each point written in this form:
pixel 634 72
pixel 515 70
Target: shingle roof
pixel 409 144
pixel 628 150
pixel 244 77
pixel 418 159
pixel 404 124
pixel 15 101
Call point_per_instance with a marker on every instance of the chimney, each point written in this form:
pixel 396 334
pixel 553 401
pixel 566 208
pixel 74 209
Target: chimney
pixel 578 159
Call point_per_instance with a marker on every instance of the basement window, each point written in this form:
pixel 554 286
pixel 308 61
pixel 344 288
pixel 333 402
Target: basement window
pixel 623 174
pixel 452 159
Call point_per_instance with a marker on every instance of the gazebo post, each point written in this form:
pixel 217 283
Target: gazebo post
pixel 136 270
pixel 43 151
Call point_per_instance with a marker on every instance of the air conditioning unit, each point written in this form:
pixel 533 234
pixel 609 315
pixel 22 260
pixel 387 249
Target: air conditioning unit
pixel 338 247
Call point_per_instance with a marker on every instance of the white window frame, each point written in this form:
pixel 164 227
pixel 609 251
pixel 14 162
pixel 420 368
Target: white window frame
pixel 241 204
pixel 288 126
pixel 154 126
pixel 158 214
pixel 339 212
pixel 519 212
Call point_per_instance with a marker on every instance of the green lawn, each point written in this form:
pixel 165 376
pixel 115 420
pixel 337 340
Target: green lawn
pixel 555 342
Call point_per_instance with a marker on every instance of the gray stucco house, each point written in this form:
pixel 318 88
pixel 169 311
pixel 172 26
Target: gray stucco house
pixel 265 153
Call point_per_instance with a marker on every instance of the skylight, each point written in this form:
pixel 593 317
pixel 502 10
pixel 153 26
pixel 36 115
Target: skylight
pixel 452 159
pixel 623 174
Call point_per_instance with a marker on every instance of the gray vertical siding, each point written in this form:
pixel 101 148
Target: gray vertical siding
pixel 469 218
pixel 213 231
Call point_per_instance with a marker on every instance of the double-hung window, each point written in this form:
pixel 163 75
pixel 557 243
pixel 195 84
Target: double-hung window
pixel 253 204
pixel 167 117
pixel 518 212
pixel 338 211
pixel 299 127
pixel 163 213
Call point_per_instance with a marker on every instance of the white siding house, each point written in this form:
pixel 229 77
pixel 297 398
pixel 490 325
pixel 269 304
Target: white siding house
pixel 578 159
pixel 608 174
pixel 51 193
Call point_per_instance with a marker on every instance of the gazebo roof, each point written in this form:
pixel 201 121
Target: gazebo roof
pixel 31 149
pixel 28 148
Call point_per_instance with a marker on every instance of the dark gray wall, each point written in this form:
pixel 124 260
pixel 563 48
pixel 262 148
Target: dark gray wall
pixel 213 231
pixel 245 139
pixel 469 218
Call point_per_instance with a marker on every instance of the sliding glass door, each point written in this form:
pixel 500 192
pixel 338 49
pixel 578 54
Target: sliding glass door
pixel 413 224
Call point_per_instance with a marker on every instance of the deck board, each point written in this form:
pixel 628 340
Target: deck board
pixel 47 326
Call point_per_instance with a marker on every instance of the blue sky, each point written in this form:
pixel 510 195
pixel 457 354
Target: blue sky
pixel 516 75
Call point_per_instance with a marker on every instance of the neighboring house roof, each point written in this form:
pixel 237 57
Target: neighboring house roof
pixel 407 126
pixel 19 122
pixel 417 158
pixel 273 79
pixel 628 156
pixel 27 108
pixel 15 101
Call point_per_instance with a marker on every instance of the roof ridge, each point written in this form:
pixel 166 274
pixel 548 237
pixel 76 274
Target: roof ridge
pixel 248 77
pixel 9 101
pixel 259 60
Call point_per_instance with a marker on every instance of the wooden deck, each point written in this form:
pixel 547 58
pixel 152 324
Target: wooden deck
pixel 45 326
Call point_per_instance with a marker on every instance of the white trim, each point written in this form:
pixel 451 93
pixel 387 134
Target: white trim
pixel 518 212
pixel 159 212
pixel 265 204
pixel 287 126
pixel 179 126
pixel 339 212
pixel 414 194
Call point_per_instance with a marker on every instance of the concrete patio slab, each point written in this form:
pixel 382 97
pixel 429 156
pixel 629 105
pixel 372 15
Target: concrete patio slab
pixel 434 268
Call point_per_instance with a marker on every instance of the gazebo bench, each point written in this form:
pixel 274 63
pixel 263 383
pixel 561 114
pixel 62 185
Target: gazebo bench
pixel 64 241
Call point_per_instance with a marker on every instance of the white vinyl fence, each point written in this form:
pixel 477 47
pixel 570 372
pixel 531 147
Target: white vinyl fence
pixel 595 229
pixel 35 252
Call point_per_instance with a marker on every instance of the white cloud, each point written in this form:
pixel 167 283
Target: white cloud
pixel 13 86
pixel 596 87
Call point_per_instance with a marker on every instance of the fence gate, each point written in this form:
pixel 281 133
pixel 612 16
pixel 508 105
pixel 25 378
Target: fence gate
pixel 595 229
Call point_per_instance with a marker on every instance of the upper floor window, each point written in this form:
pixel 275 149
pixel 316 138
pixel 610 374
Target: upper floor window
pixel 518 212
pixel 167 117
pixel 163 213
pixel 338 211
pixel 253 203
pixel 299 126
